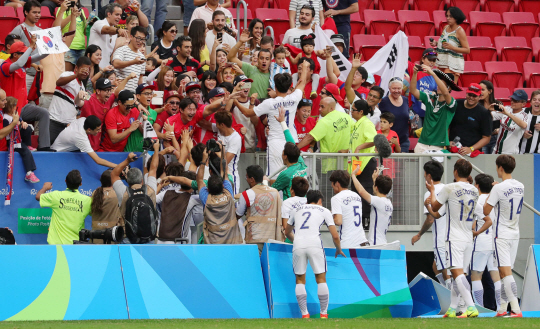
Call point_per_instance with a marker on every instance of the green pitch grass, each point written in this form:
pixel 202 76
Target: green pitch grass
pixel 286 323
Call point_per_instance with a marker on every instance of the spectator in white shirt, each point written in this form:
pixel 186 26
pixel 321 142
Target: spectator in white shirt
pixel 232 142
pixel 219 23
pixel 206 13
pixel 103 33
pixel 306 18
pixel 295 6
pixel 128 59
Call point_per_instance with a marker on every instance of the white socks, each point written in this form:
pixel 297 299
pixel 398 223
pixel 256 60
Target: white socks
pixel 448 284
pixel 323 293
pixel 454 295
pixel 497 293
pixel 478 292
pixel 301 297
pixel 440 278
pixel 464 289
pixel 510 289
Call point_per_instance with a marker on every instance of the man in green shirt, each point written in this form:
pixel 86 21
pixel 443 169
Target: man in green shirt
pixel 69 209
pixel 333 131
pixel 144 95
pixel 440 110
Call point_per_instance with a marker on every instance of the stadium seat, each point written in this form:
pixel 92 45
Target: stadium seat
pixel 7 12
pixel 20 14
pixel 416 48
pixel 416 22
pixel 482 50
pixel 473 73
pixel 499 6
pixel 2 46
pixel 427 37
pixel 381 22
pixel 249 19
pixel 282 4
pixel 277 18
pixel 459 94
pixel 521 24
pixel 466 6
pixel 531 73
pixel 514 49
pixel 368 45
pixel 8 21
pixel 254 4
pixel 429 5
pixel 531 6
pixel 439 18
pixel 504 74
pixel 46 20
pixel 357 25
pixel 502 94
pixel 363 5
pixel 536 49
pixel 393 5
pixel 487 24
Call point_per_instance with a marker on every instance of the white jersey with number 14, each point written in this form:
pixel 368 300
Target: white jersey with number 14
pixel 507 201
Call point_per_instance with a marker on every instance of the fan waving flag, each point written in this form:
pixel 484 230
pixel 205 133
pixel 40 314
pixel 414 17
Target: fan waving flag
pixel 321 41
pixel 49 41
pixel 390 61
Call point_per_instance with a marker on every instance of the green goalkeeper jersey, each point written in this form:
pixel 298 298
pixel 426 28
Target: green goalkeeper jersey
pixel 284 180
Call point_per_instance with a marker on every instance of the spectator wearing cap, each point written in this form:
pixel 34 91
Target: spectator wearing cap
pixel 143 94
pixel 194 92
pixel 243 84
pixel 425 82
pixel 514 120
pixel 10 39
pixel 120 122
pixel 439 109
pixel 472 122
pixel 128 59
pixel 305 17
pixel 68 97
pixel 76 137
pixel 172 106
pixel 295 10
pixel 341 12
pixel 332 90
pixel 338 41
pixel 183 62
pixel 13 81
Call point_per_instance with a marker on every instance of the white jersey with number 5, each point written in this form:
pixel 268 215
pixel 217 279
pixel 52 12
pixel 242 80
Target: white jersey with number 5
pixel 348 204
pixel 460 199
pixel 380 217
pixel 307 221
pixel 507 201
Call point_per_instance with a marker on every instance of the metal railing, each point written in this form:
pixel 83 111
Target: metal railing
pixel 271 29
pixel 243 4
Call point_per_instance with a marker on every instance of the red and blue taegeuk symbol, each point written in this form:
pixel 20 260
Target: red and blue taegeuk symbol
pixel 47 41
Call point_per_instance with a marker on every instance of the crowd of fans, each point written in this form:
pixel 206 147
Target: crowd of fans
pixel 205 86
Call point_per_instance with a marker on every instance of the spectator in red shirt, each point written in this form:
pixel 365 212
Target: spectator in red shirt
pixel 303 122
pixel 360 76
pixel 120 122
pixel 387 121
pixel 172 106
pixel 183 62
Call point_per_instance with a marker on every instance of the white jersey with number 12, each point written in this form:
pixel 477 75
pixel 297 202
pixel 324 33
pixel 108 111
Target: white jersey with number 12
pixel 460 199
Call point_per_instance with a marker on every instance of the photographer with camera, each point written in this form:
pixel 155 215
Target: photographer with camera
pixel 105 211
pixel 71 12
pixel 138 200
pixel 69 209
pixel 513 120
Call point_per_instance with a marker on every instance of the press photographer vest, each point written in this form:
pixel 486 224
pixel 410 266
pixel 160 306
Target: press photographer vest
pixel 263 217
pixel 173 214
pixel 110 215
pixel 220 224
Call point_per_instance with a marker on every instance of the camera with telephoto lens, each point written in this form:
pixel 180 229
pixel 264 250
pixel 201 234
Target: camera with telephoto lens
pixel 212 145
pixel 108 235
pixel 6 237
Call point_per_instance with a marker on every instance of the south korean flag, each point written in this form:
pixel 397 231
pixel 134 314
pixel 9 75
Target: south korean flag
pixel 321 41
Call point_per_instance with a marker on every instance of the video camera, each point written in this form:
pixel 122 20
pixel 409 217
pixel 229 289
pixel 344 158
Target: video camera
pixel 108 235
pixel 6 237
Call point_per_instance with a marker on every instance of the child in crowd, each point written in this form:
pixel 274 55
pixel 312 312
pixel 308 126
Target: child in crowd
pixel 255 58
pixel 25 132
pixel 387 122
pixel 308 50
pixel 151 65
pixel 279 65
pixel 382 208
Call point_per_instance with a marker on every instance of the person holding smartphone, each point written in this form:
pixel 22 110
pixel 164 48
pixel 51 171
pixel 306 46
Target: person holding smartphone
pixel 514 121
pixel 218 32
pixel 69 11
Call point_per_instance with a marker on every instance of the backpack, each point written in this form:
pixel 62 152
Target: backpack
pixel 140 217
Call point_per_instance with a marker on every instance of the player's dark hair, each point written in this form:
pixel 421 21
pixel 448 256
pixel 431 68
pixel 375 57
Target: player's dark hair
pixel 197 153
pixel 309 60
pixel 91 122
pixel 73 180
pixel 383 184
pixel 463 168
pixel 292 152
pixel 484 182
pixel 507 162
pixel 189 175
pixel 435 169
pixel 256 172
pixel 174 169
pixel 363 72
pixel 283 82
pixel 215 185
pixel 300 186
pixel 342 177
pixel 224 117
pixel 313 196
pixel 388 116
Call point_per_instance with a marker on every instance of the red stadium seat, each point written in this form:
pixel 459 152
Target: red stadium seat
pixel 426 40
pixel 249 19
pixel 521 24
pixel 504 74
pixel 20 14
pixel 2 46
pixel 429 5
pixel 482 50
pixel 536 48
pixel 277 18
pixel 46 11
pixel 502 94
pixel 8 21
pixel 439 18
pixel 531 72
pixel 499 6
pixel 282 4
pixel 466 6
pixel 487 24
pixel 531 6
pixel 459 94
pixel 393 5
pixel 513 49
pixel 415 22
pixel 381 22
pixel 368 45
pixel 357 25
pixel 473 73
pixel 363 5
pixel 7 12
pixel 46 21
pixel 254 4
pixel 416 49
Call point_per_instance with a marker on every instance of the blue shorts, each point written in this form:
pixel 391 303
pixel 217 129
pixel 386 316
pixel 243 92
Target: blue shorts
pixel 73 55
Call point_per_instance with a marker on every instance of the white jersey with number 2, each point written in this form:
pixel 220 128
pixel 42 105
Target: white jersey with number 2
pixel 460 199
pixel 348 204
pixel 307 221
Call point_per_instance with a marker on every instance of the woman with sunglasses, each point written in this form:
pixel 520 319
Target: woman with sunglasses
pixel 425 83
pixel 397 104
pixel 166 45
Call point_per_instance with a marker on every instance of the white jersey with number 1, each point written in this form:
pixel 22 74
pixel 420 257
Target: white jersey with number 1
pixel 307 220
pixel 460 199
pixel 348 204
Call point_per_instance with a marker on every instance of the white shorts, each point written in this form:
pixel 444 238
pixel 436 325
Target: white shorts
pixel 317 260
pixel 458 255
pixel 481 259
pixel 440 259
pixel 505 252
pixel 274 160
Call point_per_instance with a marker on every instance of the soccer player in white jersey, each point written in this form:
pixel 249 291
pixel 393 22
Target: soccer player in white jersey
pixel 433 171
pixel 483 244
pixel 460 199
pixel 347 211
pixel 381 207
pixel 299 188
pixel 307 245
pixel 507 199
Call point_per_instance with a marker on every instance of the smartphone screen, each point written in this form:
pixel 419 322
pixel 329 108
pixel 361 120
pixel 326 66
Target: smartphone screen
pixel 220 35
